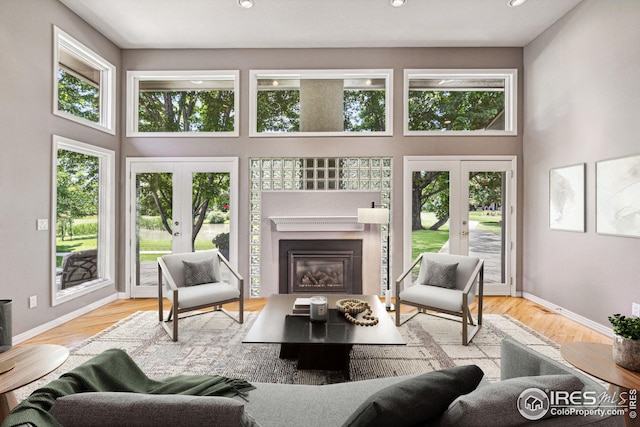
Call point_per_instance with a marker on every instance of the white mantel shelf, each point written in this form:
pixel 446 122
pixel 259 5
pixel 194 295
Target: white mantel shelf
pixel 316 223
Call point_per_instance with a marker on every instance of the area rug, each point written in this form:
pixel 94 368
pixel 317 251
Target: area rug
pixel 211 343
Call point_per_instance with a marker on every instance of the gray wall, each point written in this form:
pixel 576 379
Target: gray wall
pixel 581 106
pixel 27 125
pixel 26 128
pixel 395 146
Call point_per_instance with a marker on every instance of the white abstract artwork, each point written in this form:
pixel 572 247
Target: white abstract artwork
pixel 566 198
pixel 618 196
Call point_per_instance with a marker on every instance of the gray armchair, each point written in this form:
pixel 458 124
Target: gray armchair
pixel 447 284
pixel 194 280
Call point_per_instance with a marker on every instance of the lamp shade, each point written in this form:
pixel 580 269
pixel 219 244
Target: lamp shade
pixel 373 215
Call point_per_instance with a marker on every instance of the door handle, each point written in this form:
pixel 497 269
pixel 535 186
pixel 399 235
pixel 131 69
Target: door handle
pixel 465 233
pixel 176 234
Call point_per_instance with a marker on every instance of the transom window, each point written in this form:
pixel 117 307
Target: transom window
pixel 321 103
pixel 460 102
pixel 191 103
pixel 84 84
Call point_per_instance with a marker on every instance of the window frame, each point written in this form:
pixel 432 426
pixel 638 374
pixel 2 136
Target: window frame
pixel 255 75
pixel 510 77
pixel 106 215
pixel 107 89
pixel 133 92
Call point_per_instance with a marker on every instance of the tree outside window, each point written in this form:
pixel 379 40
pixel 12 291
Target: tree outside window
pixel 186 111
pixel 78 96
pixel 77 202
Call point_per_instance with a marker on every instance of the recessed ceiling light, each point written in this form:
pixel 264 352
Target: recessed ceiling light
pixel 397 3
pixel 245 3
pixel 514 3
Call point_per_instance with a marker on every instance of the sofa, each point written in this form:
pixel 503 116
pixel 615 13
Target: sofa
pixel 451 397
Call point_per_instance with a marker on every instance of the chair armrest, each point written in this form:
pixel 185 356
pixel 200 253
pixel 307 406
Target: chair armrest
pixel 164 269
pixel 478 270
pixel 233 271
pixel 400 279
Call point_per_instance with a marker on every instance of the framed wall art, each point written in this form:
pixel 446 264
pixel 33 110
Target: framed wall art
pixel 567 198
pixel 618 196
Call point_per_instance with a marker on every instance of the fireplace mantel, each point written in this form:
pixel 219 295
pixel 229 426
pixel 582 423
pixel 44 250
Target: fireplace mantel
pixel 316 223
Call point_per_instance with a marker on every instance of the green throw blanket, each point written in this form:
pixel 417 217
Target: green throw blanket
pixel 114 370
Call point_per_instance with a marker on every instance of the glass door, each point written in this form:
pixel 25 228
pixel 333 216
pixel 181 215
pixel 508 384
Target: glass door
pixel 154 222
pixel 461 207
pixel 485 221
pixel 177 206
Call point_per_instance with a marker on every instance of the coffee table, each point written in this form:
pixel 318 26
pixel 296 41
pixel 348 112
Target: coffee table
pixel 320 345
pixel 32 362
pixel 597 360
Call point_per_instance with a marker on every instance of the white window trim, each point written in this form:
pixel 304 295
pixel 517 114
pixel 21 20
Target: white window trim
pixel 107 122
pixel 386 74
pixel 106 233
pixel 133 86
pixel 510 77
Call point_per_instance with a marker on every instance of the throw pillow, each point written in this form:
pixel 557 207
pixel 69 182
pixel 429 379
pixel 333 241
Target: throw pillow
pixel 441 275
pixel 199 272
pixel 416 400
pixel 499 400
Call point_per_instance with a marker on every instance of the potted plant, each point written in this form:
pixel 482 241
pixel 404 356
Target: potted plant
pixel 626 341
pixel 222 243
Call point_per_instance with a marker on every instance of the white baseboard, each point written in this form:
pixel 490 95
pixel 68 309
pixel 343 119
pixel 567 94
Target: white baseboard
pixel 17 339
pixel 569 314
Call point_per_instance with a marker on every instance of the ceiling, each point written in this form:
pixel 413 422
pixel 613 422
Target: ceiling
pixel 135 24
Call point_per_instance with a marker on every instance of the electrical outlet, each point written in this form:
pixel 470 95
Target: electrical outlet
pixel 635 309
pixel 33 301
pixel 42 224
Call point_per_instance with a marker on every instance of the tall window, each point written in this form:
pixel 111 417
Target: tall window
pixel 84 84
pixel 326 102
pixel 459 102
pixel 191 103
pixel 83 209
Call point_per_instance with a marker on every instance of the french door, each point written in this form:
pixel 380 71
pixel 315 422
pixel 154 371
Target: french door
pixel 177 205
pixel 464 206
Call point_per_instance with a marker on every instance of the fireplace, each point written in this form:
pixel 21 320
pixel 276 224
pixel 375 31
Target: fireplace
pixel 320 266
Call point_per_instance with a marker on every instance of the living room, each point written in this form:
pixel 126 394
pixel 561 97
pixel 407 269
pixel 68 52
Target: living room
pixel 575 100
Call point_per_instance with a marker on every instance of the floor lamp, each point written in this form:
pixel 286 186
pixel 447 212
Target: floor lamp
pixel 379 215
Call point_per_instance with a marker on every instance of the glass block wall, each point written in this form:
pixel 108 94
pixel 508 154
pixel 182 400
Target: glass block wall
pixel 314 174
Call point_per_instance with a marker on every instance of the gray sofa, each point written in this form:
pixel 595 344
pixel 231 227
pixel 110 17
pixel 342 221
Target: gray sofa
pixel 281 405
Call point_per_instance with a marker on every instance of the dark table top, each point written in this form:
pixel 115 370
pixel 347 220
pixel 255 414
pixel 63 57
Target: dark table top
pixel 277 325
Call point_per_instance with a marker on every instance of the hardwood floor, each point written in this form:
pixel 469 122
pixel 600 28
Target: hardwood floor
pixel 552 325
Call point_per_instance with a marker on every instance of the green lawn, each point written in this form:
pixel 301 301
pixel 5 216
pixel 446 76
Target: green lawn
pixel 82 243
pixel 431 241
pixel 77 243
pixel 423 240
pixel 487 222
pixel 165 246
pixel 427 240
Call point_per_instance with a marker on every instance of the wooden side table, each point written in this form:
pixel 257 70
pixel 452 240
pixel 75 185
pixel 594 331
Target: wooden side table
pixel 597 360
pixel 32 362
